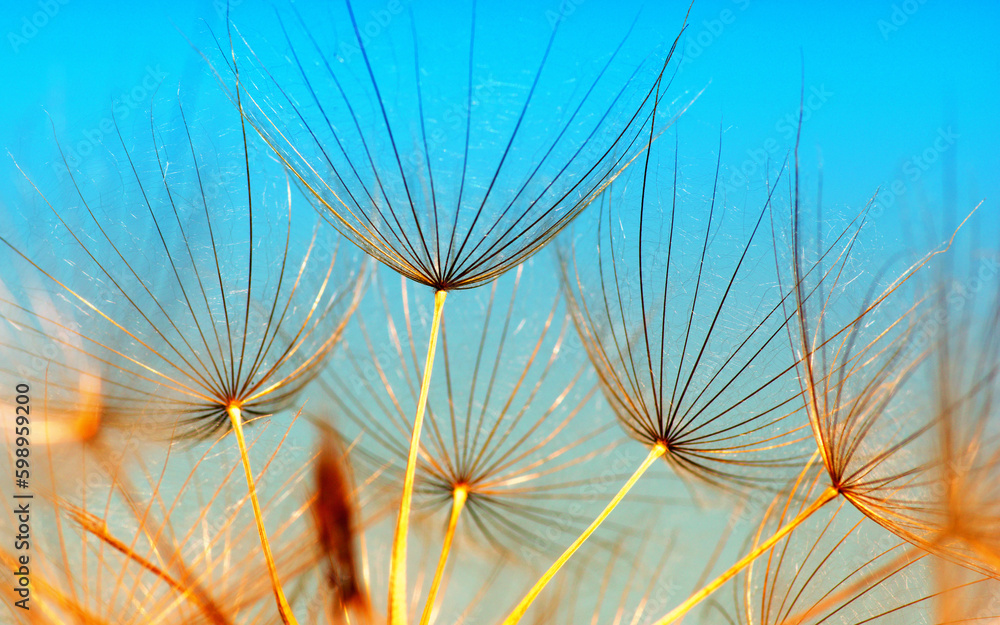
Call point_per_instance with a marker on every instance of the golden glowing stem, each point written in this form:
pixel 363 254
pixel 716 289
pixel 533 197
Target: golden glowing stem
pixel 828 495
pixel 284 610
pixel 397 565
pixel 458 498
pixel 99 529
pixel 658 450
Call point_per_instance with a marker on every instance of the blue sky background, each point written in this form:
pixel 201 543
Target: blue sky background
pixel 890 78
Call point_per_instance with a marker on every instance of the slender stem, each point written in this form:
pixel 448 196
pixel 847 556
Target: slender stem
pixel 99 529
pixel 397 566
pixel 458 498
pixel 284 610
pixel 828 495
pixel 658 450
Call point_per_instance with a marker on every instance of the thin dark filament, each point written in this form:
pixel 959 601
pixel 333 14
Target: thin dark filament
pixel 510 142
pixel 294 343
pixel 632 371
pixel 159 378
pixel 732 356
pixel 800 570
pixel 683 429
pixel 666 284
pixel 675 401
pixel 546 235
pixel 688 438
pixel 467 448
pixel 427 154
pixel 440 446
pixel 372 242
pixel 372 230
pixel 504 332
pixel 392 141
pixel 487 453
pixel 642 291
pixel 250 203
pixel 180 386
pixel 468 130
pixel 215 253
pixel 197 377
pixel 530 246
pixel 203 370
pixel 450 387
pixel 601 352
pixel 489 252
pixel 508 460
pixel 265 344
pixel 187 246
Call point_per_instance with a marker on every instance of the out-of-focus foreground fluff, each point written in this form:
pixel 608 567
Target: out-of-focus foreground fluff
pixel 642 404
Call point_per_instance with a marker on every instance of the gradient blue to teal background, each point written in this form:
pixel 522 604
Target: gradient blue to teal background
pixel 894 75
pixel 901 96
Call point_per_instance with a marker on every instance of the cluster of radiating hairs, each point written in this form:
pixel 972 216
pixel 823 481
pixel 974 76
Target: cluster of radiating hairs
pixel 183 307
pixel 682 336
pixel 852 416
pixel 906 539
